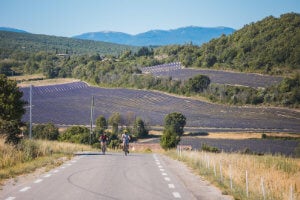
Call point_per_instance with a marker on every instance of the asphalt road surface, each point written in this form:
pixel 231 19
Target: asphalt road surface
pixel 113 176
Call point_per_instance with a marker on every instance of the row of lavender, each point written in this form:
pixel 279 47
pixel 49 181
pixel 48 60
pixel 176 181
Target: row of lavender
pixel 70 104
pixel 162 68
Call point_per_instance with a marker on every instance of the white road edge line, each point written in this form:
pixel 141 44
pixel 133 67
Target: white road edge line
pixel 25 189
pixel 176 195
pixel 47 175
pixel 10 198
pixel 38 180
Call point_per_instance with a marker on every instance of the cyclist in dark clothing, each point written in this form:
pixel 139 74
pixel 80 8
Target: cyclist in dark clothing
pixel 103 140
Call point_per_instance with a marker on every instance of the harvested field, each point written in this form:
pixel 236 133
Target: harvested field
pixel 70 103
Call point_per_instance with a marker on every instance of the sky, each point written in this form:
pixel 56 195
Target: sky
pixel 73 17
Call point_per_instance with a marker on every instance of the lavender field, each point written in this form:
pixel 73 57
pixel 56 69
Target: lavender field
pixel 268 146
pixel 176 71
pixel 69 104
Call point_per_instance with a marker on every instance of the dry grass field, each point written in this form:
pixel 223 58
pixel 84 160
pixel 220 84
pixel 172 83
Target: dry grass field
pixel 247 176
pixel 30 155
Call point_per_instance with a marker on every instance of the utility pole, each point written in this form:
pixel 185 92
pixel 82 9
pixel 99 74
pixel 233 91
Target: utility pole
pixel 30 112
pixel 91 122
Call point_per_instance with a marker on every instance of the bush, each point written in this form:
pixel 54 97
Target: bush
pixel 263 136
pixel 208 148
pixel 169 139
pixel 45 132
pixel 30 149
pixel 76 134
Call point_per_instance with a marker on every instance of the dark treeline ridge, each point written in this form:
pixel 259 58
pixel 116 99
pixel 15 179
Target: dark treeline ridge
pixel 124 69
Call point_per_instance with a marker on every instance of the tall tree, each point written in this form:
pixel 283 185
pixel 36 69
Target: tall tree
pixel 11 109
pixel 139 129
pixel 173 129
pixel 101 124
pixel 114 121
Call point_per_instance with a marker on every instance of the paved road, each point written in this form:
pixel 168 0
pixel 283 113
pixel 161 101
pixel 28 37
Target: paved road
pixel 111 176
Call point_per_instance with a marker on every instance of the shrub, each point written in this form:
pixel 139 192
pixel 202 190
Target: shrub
pixel 45 132
pixel 30 149
pixel 208 148
pixel 76 134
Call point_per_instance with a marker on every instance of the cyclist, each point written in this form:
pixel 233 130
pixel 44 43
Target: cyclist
pixel 125 139
pixel 103 139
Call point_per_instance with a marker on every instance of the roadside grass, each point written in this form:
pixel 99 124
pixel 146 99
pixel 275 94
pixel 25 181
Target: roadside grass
pixel 246 176
pixel 30 155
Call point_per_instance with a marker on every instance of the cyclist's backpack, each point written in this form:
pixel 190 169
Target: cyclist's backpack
pixel 126 137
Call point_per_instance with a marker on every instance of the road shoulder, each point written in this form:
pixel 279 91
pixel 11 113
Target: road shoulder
pixel 201 189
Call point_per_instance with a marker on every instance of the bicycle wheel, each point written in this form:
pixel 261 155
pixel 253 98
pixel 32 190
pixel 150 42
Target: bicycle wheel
pixel 103 149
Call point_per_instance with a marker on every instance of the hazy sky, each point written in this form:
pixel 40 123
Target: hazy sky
pixel 73 17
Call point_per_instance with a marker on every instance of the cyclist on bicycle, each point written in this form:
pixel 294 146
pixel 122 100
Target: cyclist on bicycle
pixel 125 139
pixel 103 139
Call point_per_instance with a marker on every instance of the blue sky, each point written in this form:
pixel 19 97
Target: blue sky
pixel 73 17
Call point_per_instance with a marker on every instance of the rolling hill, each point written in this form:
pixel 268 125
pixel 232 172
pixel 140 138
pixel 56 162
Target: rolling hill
pixel 196 35
pixel 20 41
pixel 12 30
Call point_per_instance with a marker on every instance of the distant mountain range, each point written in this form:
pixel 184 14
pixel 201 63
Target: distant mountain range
pixel 196 35
pixel 12 30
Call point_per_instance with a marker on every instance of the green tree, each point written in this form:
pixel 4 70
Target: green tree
pixel 139 129
pixel 114 121
pixel 198 83
pixel 76 134
pixel 101 124
pixel 173 129
pixel 11 109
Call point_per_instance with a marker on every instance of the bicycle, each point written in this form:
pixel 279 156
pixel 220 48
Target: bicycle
pixel 103 147
pixel 126 148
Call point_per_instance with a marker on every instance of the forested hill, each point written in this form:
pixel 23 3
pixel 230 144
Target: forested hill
pixel 270 46
pixel 11 42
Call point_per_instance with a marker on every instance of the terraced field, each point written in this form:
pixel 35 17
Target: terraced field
pixel 70 104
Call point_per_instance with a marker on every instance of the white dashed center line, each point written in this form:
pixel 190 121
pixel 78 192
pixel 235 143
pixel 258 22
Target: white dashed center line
pixel 10 198
pixel 167 179
pixel 176 195
pixel 170 185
